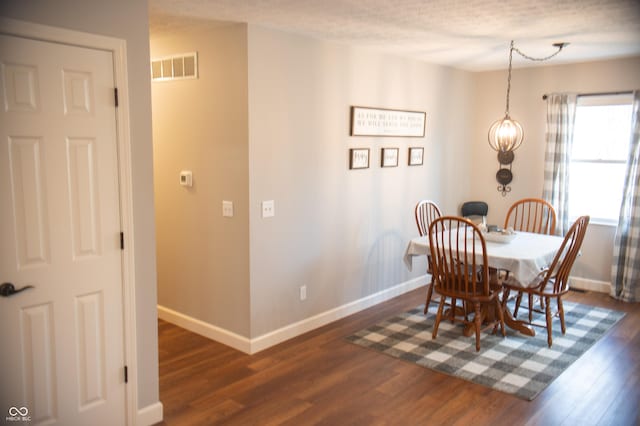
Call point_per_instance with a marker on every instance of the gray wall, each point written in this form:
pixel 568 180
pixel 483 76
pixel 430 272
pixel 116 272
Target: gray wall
pixel 128 20
pixel 341 232
pixel 202 125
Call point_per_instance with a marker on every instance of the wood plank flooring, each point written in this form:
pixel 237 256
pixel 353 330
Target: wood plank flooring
pixel 320 378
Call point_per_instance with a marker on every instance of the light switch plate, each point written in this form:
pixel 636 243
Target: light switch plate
pixel 186 178
pixel 268 208
pixel 303 292
pixel 227 208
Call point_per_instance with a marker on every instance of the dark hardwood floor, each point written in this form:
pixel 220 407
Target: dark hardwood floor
pixel 320 378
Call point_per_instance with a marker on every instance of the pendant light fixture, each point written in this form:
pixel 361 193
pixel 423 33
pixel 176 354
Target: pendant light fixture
pixel 506 134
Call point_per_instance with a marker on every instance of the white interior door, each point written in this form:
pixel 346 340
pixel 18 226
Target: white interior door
pixel 62 350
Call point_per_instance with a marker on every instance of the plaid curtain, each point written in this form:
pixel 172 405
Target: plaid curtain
pixel 561 113
pixel 625 271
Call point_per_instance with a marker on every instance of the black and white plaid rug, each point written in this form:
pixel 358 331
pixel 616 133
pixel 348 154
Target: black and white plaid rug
pixel 518 364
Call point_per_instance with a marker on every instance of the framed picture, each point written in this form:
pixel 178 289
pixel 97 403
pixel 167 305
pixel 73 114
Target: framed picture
pixel 389 157
pixel 416 156
pixel 359 158
pixel 367 121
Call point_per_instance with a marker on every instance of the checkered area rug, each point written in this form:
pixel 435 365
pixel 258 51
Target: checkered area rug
pixel 519 365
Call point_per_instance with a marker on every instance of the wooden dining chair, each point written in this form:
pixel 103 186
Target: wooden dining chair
pixel 530 215
pixel 553 282
pixel 426 212
pixel 461 272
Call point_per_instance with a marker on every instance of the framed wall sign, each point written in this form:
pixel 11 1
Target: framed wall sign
pixel 389 157
pixel 359 158
pixel 416 155
pixel 367 121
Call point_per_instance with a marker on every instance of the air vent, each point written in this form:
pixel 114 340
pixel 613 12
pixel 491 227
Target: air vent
pixel 176 67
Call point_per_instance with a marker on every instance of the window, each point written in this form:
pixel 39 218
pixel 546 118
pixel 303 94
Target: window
pixel 599 155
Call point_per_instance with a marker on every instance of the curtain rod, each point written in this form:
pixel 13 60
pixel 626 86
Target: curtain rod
pixel 623 92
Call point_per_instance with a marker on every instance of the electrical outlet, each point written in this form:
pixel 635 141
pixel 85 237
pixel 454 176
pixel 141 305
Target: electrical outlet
pixel 268 208
pixel 303 292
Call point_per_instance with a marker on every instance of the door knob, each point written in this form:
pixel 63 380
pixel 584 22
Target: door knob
pixel 8 289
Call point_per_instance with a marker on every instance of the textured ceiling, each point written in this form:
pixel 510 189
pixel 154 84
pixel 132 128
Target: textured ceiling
pixel 467 34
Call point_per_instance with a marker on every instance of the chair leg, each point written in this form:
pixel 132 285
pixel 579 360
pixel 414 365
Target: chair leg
pixel 452 313
pixel 530 308
pixel 478 322
pixel 500 317
pixel 548 315
pixel 438 316
pixel 505 297
pixel 561 315
pixel 518 301
pixel 429 294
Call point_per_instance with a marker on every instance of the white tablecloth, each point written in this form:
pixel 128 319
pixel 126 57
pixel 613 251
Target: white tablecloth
pixel 524 257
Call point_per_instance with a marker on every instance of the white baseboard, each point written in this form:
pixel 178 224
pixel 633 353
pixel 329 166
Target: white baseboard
pixel 205 329
pixel 285 333
pixel 590 285
pixel 251 346
pixel 150 415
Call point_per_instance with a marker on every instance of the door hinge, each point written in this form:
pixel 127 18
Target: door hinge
pixel 126 374
pixel 115 95
pixel 122 241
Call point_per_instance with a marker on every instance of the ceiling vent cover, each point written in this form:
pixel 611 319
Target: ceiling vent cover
pixel 175 67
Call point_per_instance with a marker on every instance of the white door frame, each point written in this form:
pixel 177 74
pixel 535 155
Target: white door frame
pixel 119 50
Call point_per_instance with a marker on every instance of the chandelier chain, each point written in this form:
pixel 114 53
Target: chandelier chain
pixel 509 79
pixel 560 46
pixel 531 58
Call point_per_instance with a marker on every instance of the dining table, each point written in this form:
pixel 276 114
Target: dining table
pixel 523 255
